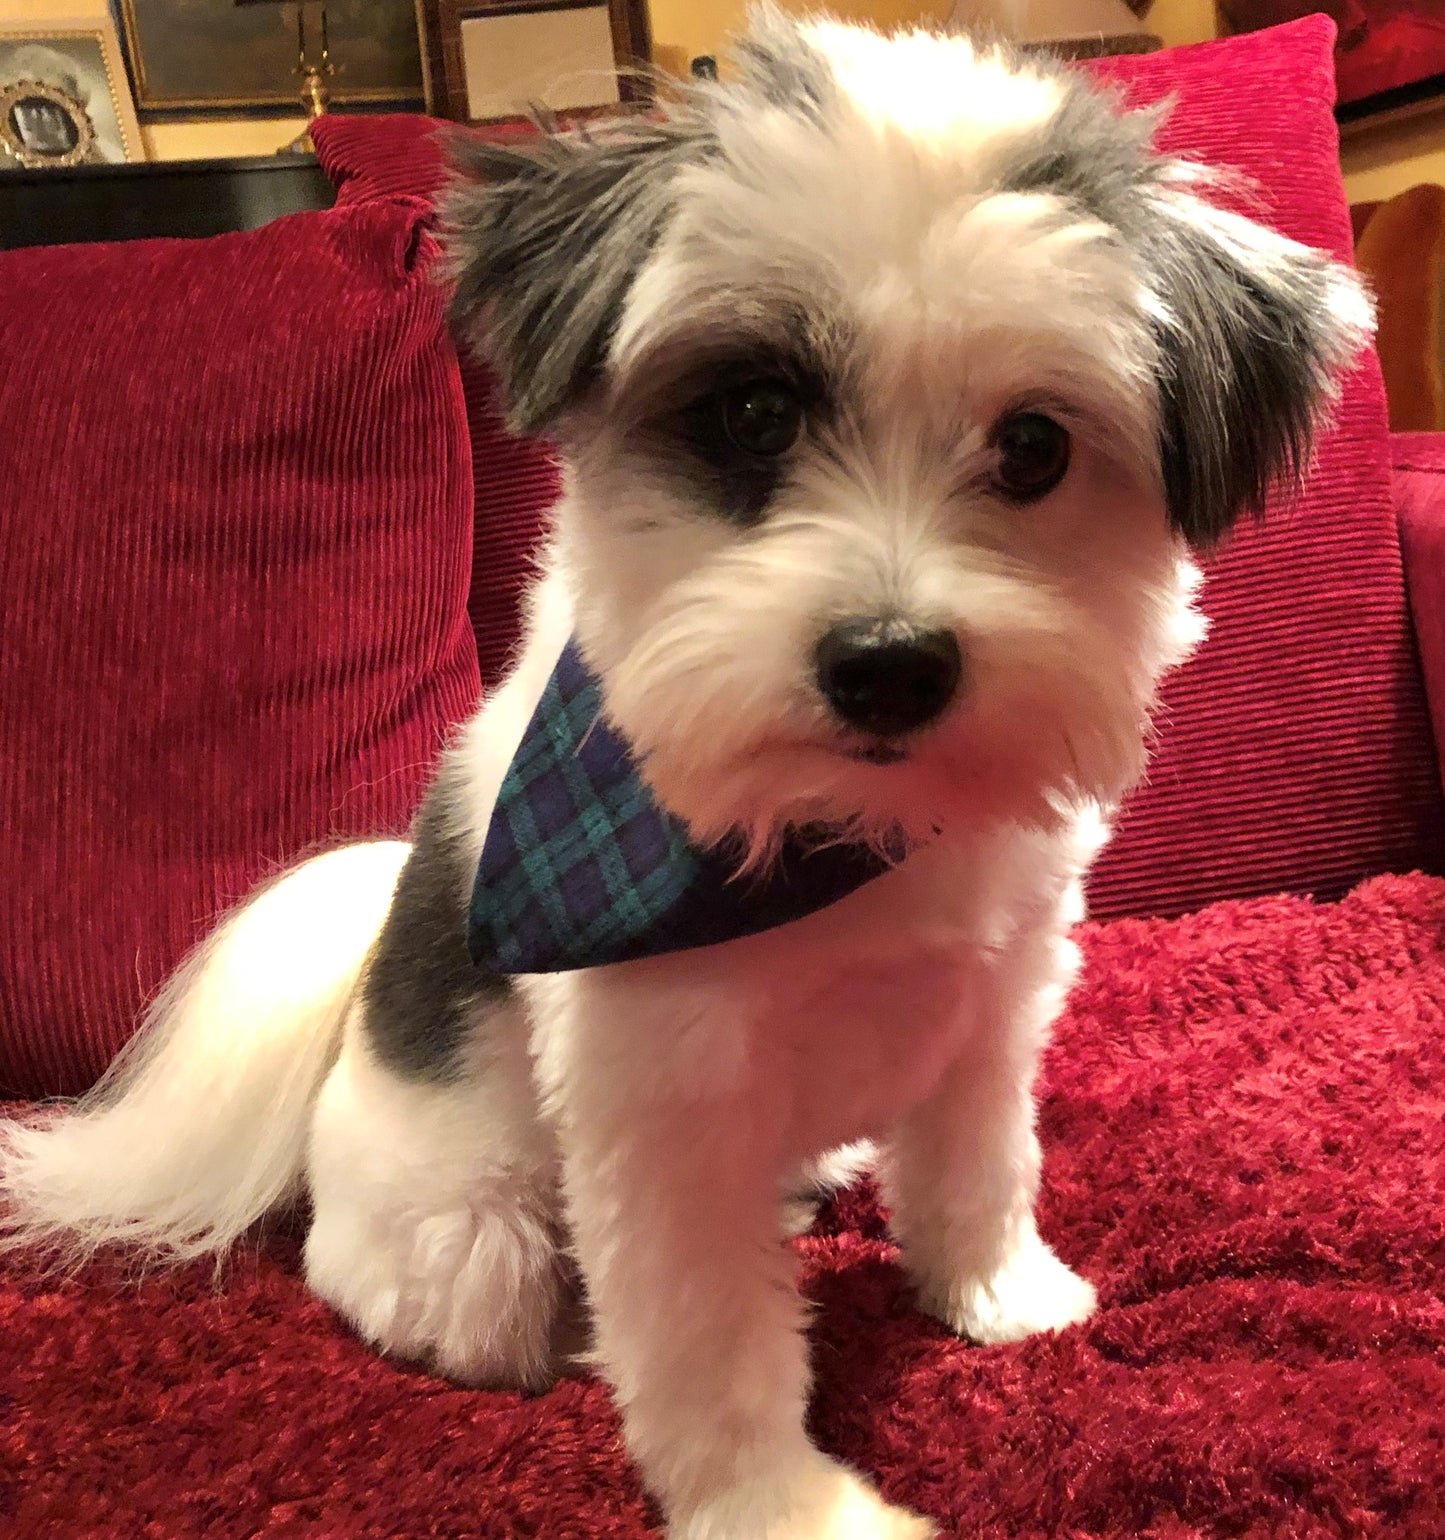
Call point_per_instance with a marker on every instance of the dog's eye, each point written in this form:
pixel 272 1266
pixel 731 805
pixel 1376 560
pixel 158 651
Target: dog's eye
pixel 1033 454
pixel 761 417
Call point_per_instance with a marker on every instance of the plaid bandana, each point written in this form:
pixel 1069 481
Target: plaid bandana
pixel 582 868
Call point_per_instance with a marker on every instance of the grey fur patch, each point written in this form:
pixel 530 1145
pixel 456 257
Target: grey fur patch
pixel 1249 352
pixel 780 67
pixel 1249 357
pixel 1094 153
pixel 421 994
pixel 672 410
pixel 543 240
pixel 544 237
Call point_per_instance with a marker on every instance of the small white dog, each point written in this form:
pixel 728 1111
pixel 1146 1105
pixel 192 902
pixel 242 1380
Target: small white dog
pixel 895 381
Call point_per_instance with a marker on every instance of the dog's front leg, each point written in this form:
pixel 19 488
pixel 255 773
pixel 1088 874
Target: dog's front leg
pixel 962 1171
pixel 673 1171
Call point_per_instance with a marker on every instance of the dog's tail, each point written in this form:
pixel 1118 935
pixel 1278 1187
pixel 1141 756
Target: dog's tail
pixel 200 1126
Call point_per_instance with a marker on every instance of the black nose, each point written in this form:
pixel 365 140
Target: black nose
pixel 886 676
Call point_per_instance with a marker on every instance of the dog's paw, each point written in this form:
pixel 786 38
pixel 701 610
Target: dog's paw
pixel 830 1503
pixel 1032 1292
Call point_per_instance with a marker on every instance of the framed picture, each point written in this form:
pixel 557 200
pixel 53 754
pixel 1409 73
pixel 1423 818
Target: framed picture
pixel 491 59
pixel 1390 57
pixel 64 100
pixel 191 57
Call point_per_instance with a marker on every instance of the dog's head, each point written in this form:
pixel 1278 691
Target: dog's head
pixel 894 383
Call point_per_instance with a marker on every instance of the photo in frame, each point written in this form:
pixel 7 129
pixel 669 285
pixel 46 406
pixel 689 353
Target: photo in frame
pixel 496 59
pixel 193 57
pixel 1390 56
pixel 64 97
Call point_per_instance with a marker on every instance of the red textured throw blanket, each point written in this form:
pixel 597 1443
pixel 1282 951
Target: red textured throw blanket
pixel 1244 1122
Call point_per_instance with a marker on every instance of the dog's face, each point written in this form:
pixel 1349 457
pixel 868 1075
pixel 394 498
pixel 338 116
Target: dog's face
pixel 894 384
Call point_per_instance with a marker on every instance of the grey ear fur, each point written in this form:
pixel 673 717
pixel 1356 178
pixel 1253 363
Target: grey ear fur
pixel 542 239
pixel 1252 345
pixel 779 67
pixel 1254 330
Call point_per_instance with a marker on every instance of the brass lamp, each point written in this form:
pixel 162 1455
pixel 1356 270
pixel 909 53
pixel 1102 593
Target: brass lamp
pixel 314 72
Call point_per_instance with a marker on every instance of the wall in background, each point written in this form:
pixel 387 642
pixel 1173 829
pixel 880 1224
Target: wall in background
pixel 683 29
pixel 1381 161
pixel 1182 21
pixel 1378 161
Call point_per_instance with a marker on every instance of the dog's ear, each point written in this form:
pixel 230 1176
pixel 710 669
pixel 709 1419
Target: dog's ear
pixel 542 241
pixel 778 66
pixel 1254 331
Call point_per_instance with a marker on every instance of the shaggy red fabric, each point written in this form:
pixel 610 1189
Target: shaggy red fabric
pixel 1243 1123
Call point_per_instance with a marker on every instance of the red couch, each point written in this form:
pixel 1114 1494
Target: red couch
pixel 263 544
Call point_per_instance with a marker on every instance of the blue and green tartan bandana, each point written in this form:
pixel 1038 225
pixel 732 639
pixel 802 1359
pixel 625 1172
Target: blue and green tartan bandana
pixel 581 867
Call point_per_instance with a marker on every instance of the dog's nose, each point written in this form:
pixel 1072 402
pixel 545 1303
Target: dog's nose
pixel 886 676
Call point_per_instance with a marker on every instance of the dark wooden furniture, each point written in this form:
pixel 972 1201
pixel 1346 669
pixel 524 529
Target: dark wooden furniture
pixel 181 197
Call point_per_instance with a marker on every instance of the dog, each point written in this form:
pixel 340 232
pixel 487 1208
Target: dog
pixel 898 383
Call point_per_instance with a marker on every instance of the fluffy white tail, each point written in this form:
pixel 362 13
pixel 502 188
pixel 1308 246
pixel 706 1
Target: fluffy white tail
pixel 200 1126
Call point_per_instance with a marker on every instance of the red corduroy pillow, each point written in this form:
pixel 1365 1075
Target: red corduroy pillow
pixel 397 154
pixel 515 479
pixel 1295 751
pixel 235 517
pixel 394 154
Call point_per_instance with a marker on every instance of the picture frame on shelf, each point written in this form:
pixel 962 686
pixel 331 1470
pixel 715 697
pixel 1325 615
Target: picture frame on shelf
pixel 64 97
pixel 198 58
pixel 1389 57
pixel 490 60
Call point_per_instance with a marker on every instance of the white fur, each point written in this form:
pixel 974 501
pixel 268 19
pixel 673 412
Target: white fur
pixel 722 1072
pixel 435 1216
pixel 650 1118
pixel 200 1127
pixel 909 82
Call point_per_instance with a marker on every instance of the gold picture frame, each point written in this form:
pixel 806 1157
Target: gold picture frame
pixel 64 97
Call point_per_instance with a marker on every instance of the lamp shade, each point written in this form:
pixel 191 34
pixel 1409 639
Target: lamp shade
pixel 1074 27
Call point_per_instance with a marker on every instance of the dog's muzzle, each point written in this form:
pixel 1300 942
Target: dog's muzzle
pixel 887 677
